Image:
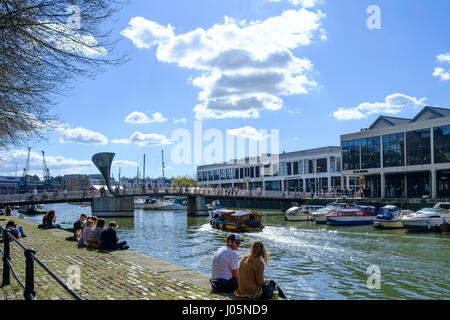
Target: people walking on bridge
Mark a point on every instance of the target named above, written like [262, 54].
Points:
[225, 266]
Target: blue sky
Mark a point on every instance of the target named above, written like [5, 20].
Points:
[312, 69]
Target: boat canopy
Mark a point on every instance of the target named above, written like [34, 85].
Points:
[388, 212]
[244, 213]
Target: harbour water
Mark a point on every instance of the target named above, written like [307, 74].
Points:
[308, 261]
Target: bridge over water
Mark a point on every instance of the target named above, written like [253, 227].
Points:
[197, 197]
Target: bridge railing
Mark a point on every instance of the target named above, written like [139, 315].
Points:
[183, 191]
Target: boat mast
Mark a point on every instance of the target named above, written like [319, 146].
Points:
[163, 166]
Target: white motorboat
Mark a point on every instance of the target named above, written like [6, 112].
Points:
[172, 204]
[151, 204]
[427, 219]
[139, 203]
[389, 217]
[302, 213]
[320, 216]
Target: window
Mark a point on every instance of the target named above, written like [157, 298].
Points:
[350, 154]
[312, 167]
[289, 168]
[418, 147]
[370, 153]
[322, 165]
[216, 175]
[300, 166]
[236, 174]
[205, 176]
[332, 164]
[257, 172]
[223, 174]
[306, 162]
[211, 175]
[200, 176]
[229, 174]
[252, 172]
[295, 167]
[393, 150]
[441, 144]
[283, 169]
[241, 173]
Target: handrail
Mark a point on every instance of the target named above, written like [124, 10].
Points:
[30, 257]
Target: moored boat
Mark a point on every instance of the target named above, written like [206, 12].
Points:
[236, 221]
[427, 219]
[139, 203]
[31, 210]
[320, 216]
[171, 204]
[302, 213]
[389, 217]
[351, 217]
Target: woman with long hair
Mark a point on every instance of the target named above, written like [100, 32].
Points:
[251, 282]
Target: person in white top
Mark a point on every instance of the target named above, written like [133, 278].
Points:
[225, 266]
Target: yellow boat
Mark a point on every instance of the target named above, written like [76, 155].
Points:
[236, 221]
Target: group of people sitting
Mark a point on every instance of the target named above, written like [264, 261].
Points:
[91, 233]
[245, 278]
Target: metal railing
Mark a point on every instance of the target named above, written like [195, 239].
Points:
[183, 191]
[30, 257]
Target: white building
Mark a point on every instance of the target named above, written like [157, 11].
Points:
[399, 158]
[307, 171]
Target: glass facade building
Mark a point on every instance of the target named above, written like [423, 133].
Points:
[398, 157]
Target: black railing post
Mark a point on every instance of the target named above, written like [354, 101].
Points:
[6, 270]
[29, 292]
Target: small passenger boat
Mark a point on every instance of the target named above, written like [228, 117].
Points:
[351, 217]
[31, 210]
[236, 221]
[320, 216]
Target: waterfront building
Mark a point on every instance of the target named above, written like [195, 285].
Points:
[75, 182]
[9, 185]
[305, 171]
[399, 157]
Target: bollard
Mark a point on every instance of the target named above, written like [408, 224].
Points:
[6, 270]
[29, 292]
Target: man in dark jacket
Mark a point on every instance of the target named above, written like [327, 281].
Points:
[109, 239]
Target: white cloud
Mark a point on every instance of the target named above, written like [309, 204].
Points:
[247, 133]
[303, 3]
[143, 140]
[141, 118]
[83, 136]
[393, 104]
[58, 165]
[444, 57]
[440, 72]
[246, 66]
[182, 120]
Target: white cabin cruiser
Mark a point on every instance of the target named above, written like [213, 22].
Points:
[139, 203]
[427, 219]
[172, 204]
[320, 216]
[302, 213]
